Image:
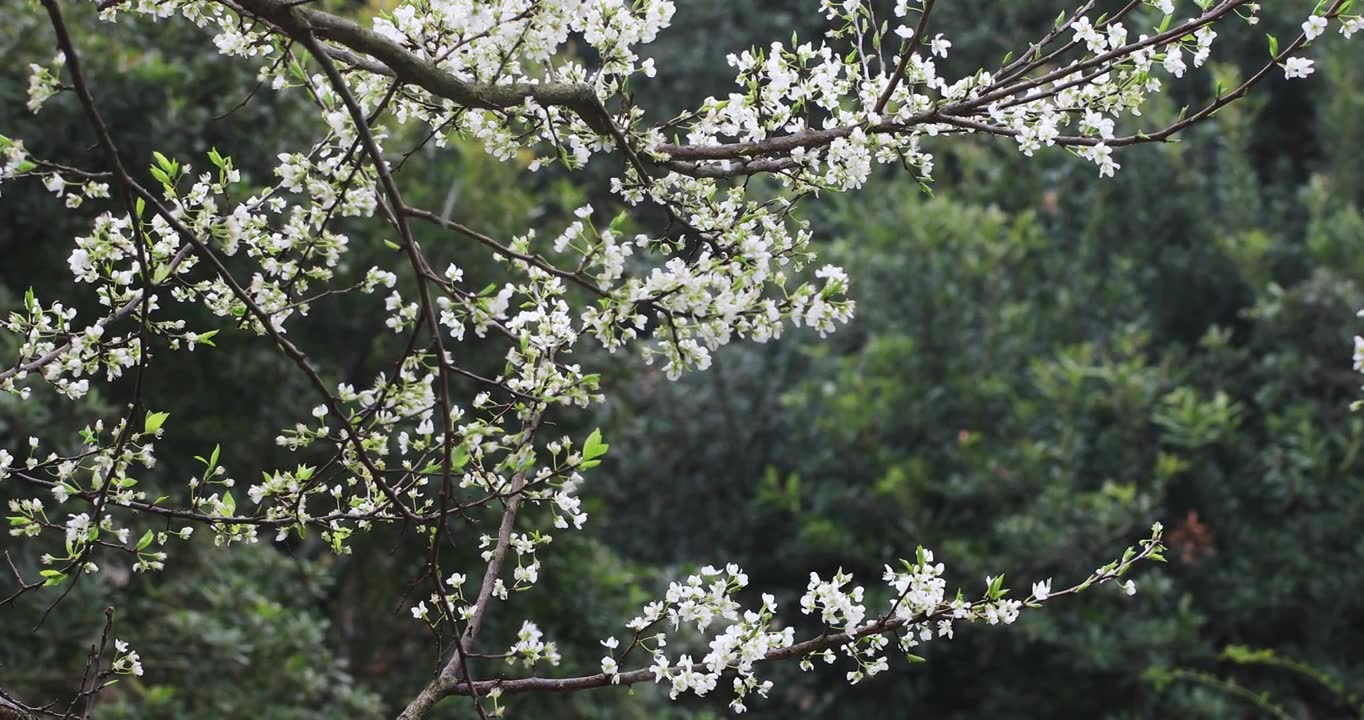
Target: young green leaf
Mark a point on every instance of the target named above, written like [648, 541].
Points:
[54, 577]
[154, 421]
[593, 447]
[229, 504]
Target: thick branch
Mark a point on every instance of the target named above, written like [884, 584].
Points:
[298, 22]
[440, 687]
[376, 53]
[10, 710]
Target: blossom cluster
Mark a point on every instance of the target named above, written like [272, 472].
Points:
[916, 610]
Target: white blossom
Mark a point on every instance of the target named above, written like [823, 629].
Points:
[1297, 67]
[1313, 27]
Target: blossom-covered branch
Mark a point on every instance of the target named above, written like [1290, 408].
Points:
[443, 450]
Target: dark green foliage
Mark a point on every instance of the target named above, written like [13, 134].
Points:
[1041, 365]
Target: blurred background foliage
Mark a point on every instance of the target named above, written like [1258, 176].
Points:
[1042, 365]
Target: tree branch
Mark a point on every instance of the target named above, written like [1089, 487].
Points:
[299, 22]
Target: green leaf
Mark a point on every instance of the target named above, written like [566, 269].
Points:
[593, 447]
[1273, 45]
[914, 658]
[154, 422]
[54, 577]
[140, 206]
[145, 541]
[207, 338]
[29, 299]
[996, 589]
[229, 504]
[163, 162]
[392, 245]
[213, 457]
